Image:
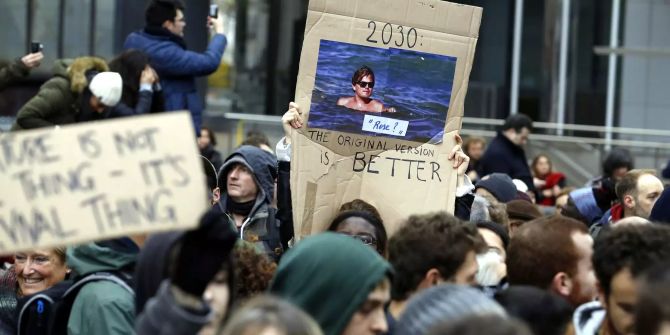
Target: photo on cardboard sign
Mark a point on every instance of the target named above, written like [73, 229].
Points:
[394, 93]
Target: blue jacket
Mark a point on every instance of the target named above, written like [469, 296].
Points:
[178, 68]
[505, 157]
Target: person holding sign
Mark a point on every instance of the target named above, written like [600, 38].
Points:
[362, 83]
[19, 68]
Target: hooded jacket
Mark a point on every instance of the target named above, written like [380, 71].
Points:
[102, 307]
[178, 67]
[59, 100]
[261, 226]
[588, 318]
[11, 72]
[329, 276]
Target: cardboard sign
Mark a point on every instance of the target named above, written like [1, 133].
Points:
[99, 180]
[382, 85]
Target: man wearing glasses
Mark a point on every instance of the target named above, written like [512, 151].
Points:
[362, 83]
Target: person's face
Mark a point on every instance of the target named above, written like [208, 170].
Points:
[364, 92]
[217, 296]
[493, 241]
[542, 166]
[476, 150]
[467, 273]
[38, 270]
[96, 105]
[177, 25]
[620, 304]
[241, 186]
[649, 189]
[584, 281]
[204, 140]
[360, 229]
[370, 317]
[521, 137]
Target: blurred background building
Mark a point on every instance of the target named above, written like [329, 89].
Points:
[595, 73]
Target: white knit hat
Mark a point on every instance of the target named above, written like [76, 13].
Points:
[107, 87]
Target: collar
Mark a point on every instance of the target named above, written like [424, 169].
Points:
[160, 31]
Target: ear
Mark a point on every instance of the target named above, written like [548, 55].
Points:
[166, 24]
[430, 279]
[628, 201]
[216, 195]
[561, 284]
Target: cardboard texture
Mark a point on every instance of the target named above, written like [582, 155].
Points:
[398, 176]
[99, 180]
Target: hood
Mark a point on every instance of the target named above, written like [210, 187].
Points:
[588, 318]
[661, 210]
[152, 266]
[263, 165]
[92, 257]
[75, 70]
[329, 276]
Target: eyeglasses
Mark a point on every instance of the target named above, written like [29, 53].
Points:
[366, 84]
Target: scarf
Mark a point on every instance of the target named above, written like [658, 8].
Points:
[239, 208]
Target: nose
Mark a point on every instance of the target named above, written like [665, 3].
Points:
[379, 325]
[28, 268]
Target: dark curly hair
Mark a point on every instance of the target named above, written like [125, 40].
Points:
[253, 271]
[636, 247]
[437, 240]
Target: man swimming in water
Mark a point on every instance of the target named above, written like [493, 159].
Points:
[362, 82]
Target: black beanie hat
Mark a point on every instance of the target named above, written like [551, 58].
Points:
[497, 228]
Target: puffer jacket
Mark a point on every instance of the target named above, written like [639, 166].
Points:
[12, 71]
[58, 101]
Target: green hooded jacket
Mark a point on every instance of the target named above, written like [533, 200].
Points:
[329, 276]
[101, 307]
[11, 72]
[58, 100]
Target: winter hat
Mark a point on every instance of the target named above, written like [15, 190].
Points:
[586, 204]
[520, 185]
[497, 228]
[442, 303]
[107, 86]
[661, 211]
[500, 185]
[522, 210]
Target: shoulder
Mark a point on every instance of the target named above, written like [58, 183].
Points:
[104, 293]
[343, 101]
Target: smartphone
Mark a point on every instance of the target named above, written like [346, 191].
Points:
[36, 47]
[214, 11]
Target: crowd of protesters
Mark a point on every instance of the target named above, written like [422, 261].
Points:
[523, 253]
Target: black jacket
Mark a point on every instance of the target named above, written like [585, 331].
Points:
[506, 157]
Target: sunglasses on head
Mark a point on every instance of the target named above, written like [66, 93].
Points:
[365, 84]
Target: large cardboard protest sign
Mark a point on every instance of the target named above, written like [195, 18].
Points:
[97, 180]
[382, 85]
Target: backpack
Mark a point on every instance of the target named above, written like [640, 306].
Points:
[48, 312]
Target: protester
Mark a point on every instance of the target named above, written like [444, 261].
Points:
[481, 324]
[546, 313]
[615, 165]
[207, 146]
[652, 311]
[553, 253]
[197, 258]
[363, 227]
[492, 268]
[444, 303]
[520, 212]
[258, 139]
[548, 183]
[142, 93]
[474, 147]
[163, 40]
[253, 271]
[103, 307]
[505, 153]
[661, 210]
[621, 255]
[362, 206]
[339, 281]
[637, 191]
[497, 185]
[247, 180]
[19, 68]
[268, 315]
[418, 255]
[81, 90]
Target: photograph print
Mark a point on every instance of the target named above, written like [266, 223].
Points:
[372, 91]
